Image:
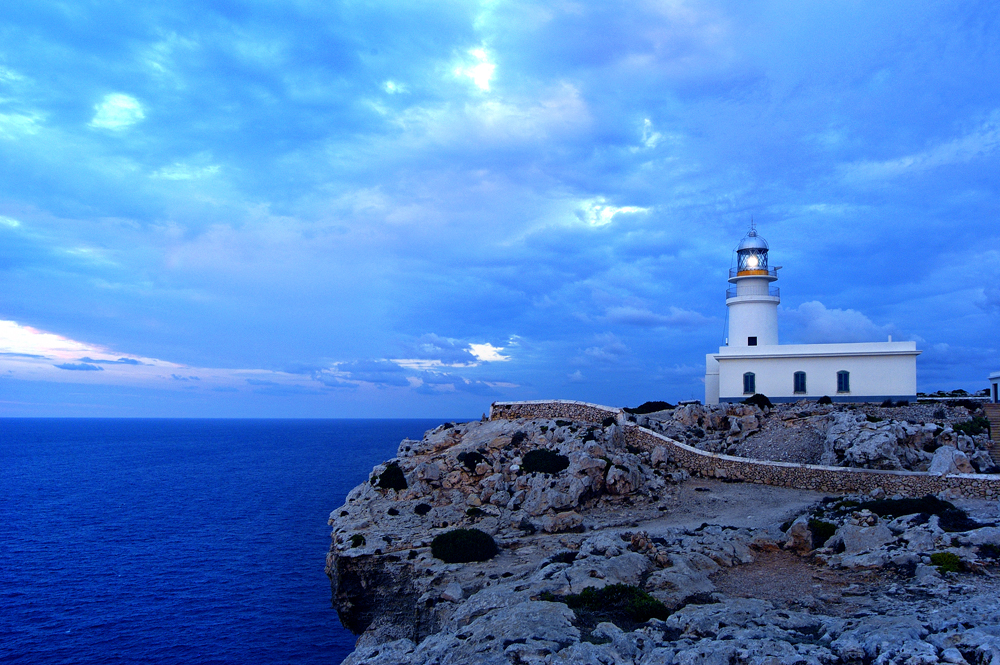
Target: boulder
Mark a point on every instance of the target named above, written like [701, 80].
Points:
[949, 460]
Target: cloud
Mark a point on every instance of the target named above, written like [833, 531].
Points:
[178, 377]
[639, 316]
[990, 300]
[117, 111]
[596, 211]
[20, 339]
[119, 361]
[80, 367]
[813, 323]
[608, 349]
[378, 372]
[972, 146]
[480, 70]
[179, 171]
[261, 382]
[439, 350]
[487, 352]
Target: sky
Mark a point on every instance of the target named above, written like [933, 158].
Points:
[414, 209]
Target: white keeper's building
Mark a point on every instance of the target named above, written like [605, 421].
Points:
[753, 362]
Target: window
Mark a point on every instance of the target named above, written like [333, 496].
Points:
[800, 382]
[843, 382]
[749, 384]
[751, 341]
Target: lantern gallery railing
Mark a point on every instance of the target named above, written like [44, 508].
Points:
[734, 272]
[753, 290]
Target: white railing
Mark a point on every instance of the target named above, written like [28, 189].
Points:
[753, 290]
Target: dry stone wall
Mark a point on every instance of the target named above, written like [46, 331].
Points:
[833, 479]
[560, 408]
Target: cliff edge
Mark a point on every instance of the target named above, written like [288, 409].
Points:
[609, 553]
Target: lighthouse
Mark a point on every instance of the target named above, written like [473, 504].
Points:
[752, 362]
[752, 299]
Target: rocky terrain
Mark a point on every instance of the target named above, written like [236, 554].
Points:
[864, 436]
[616, 556]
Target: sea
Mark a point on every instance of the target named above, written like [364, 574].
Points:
[175, 540]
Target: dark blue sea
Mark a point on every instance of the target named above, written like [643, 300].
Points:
[176, 541]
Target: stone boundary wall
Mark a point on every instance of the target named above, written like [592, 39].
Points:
[552, 409]
[832, 479]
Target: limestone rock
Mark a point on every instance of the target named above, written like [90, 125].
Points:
[948, 459]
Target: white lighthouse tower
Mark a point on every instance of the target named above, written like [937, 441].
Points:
[752, 300]
[752, 362]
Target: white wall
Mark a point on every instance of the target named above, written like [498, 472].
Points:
[886, 369]
[711, 379]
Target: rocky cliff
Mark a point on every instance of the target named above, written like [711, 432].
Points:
[608, 553]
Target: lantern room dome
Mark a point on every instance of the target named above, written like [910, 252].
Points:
[752, 241]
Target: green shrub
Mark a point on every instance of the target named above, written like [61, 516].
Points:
[947, 562]
[821, 532]
[929, 504]
[422, 509]
[649, 407]
[977, 425]
[471, 460]
[759, 400]
[623, 605]
[464, 546]
[517, 438]
[563, 423]
[989, 551]
[950, 518]
[392, 478]
[825, 399]
[873, 419]
[474, 512]
[543, 461]
[608, 422]
[357, 540]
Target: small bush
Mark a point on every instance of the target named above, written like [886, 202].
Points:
[392, 478]
[825, 399]
[821, 532]
[873, 419]
[950, 518]
[563, 423]
[464, 546]
[969, 404]
[759, 400]
[608, 422]
[422, 509]
[887, 404]
[543, 461]
[471, 460]
[357, 540]
[623, 605]
[392, 512]
[929, 504]
[947, 562]
[649, 407]
[566, 556]
[989, 551]
[517, 438]
[903, 402]
[978, 425]
[474, 512]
